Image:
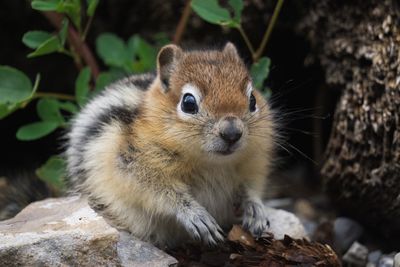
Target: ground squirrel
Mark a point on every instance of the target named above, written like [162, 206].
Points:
[165, 153]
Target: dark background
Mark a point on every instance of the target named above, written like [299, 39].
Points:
[304, 105]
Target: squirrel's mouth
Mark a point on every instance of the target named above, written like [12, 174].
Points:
[225, 152]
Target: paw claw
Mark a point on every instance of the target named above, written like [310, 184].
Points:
[254, 219]
[202, 226]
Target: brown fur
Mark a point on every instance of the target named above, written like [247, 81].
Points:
[155, 177]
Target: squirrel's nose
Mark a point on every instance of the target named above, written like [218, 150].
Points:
[231, 134]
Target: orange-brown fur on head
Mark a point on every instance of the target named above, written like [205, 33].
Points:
[223, 83]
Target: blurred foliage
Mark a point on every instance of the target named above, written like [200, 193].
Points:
[212, 12]
[259, 72]
[136, 55]
[53, 172]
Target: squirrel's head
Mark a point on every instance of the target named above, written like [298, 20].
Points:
[206, 103]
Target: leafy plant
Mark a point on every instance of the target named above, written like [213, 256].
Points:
[54, 109]
[15, 89]
[46, 43]
[72, 19]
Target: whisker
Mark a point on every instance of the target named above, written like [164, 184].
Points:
[301, 153]
[301, 131]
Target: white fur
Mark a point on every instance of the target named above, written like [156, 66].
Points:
[249, 91]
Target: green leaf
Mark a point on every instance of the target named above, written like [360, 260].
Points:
[161, 39]
[92, 5]
[145, 54]
[36, 130]
[237, 6]
[53, 172]
[68, 106]
[211, 11]
[18, 96]
[63, 32]
[82, 86]
[7, 109]
[51, 45]
[48, 110]
[42, 5]
[15, 86]
[259, 71]
[106, 78]
[33, 39]
[112, 50]
[72, 8]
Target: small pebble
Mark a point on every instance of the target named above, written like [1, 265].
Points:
[324, 233]
[397, 260]
[374, 256]
[356, 255]
[309, 226]
[304, 209]
[386, 261]
[346, 232]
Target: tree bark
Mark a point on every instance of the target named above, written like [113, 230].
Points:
[357, 44]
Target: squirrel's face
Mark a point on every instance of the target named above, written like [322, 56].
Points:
[210, 98]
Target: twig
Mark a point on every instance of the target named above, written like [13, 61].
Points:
[87, 27]
[54, 95]
[180, 29]
[75, 40]
[77, 59]
[246, 40]
[268, 32]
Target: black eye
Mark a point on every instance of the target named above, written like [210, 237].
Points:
[189, 104]
[252, 105]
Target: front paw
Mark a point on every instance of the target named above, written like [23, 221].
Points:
[201, 226]
[254, 218]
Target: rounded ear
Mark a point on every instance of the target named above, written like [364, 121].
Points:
[167, 59]
[230, 50]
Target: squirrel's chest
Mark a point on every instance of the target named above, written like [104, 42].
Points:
[216, 189]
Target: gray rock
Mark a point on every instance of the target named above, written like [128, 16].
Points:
[356, 255]
[346, 232]
[284, 223]
[386, 261]
[397, 260]
[134, 252]
[309, 226]
[374, 256]
[66, 231]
